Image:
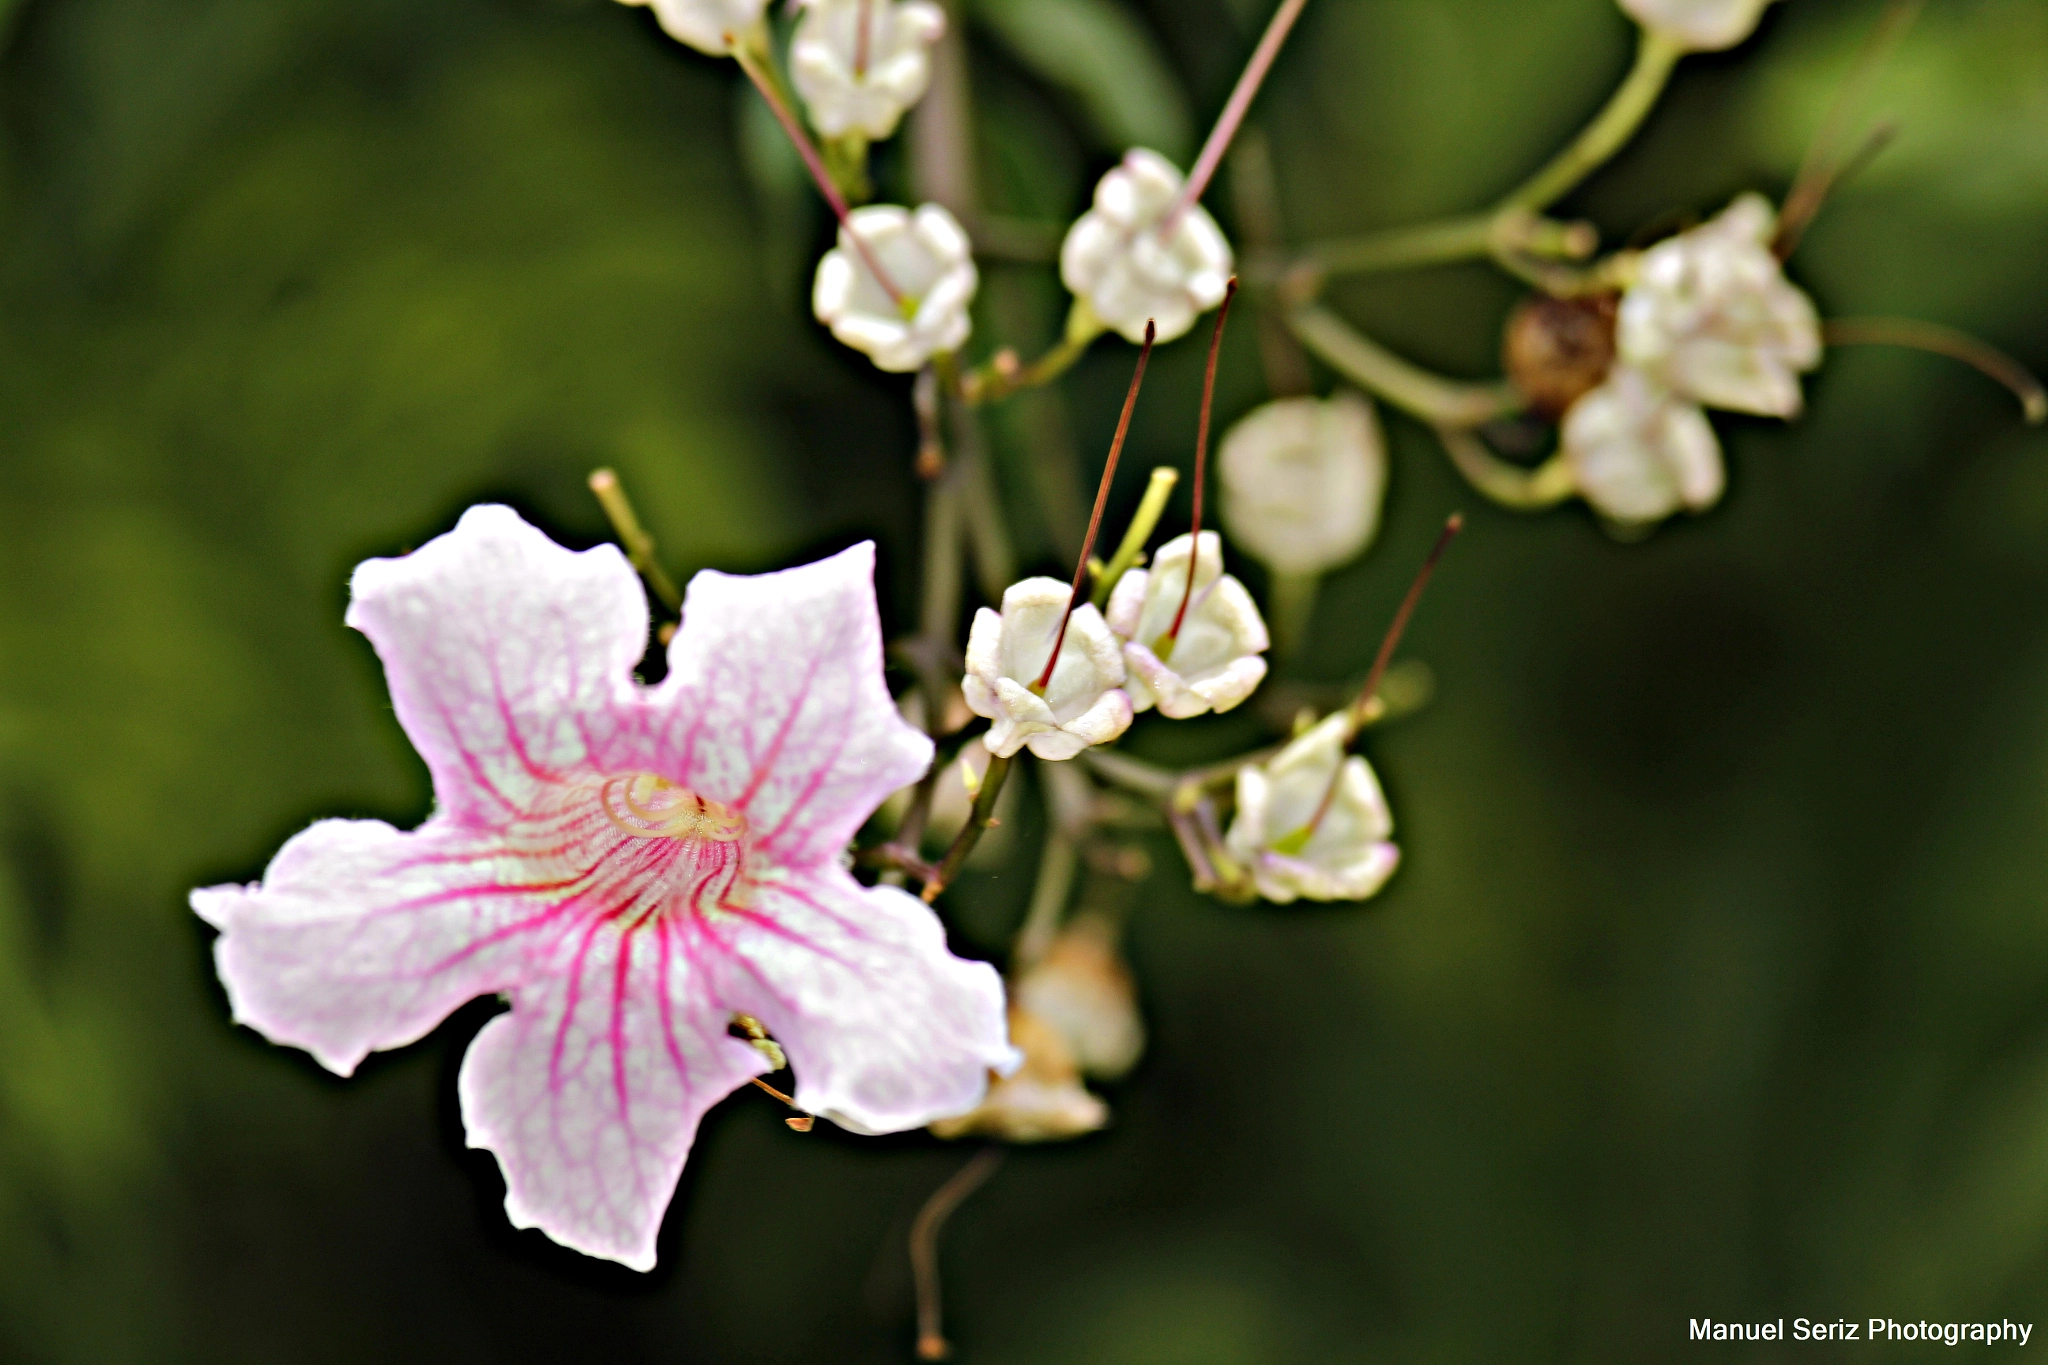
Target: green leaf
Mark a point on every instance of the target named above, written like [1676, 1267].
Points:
[1102, 57]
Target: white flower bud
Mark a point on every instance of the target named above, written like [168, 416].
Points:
[1344, 857]
[1115, 260]
[825, 56]
[705, 24]
[927, 257]
[1701, 25]
[1637, 452]
[1214, 663]
[1084, 703]
[1083, 989]
[1303, 480]
[1711, 316]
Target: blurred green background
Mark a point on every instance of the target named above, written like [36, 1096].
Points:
[1716, 978]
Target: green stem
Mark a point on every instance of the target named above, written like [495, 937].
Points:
[978, 821]
[1617, 121]
[1293, 604]
[639, 546]
[1525, 490]
[1434, 399]
[1048, 901]
[1452, 239]
[846, 157]
[989, 384]
[1142, 525]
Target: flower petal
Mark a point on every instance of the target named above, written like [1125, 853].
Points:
[505, 654]
[775, 704]
[886, 1029]
[591, 1089]
[360, 937]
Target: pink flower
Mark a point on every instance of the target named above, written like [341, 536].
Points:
[630, 865]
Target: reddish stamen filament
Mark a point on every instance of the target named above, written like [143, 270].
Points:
[816, 165]
[1202, 457]
[861, 39]
[1116, 448]
[1360, 707]
[1233, 112]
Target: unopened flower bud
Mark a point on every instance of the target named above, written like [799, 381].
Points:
[1116, 261]
[927, 257]
[1042, 1101]
[1303, 479]
[1301, 840]
[707, 25]
[1213, 663]
[1557, 350]
[1084, 702]
[855, 85]
[1701, 25]
[1638, 453]
[1083, 989]
[1711, 316]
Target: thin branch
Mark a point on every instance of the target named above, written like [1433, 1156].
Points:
[1940, 340]
[1434, 399]
[979, 820]
[924, 1247]
[639, 546]
[1617, 121]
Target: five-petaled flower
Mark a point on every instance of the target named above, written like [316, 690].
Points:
[862, 83]
[926, 256]
[1298, 837]
[1638, 453]
[1711, 316]
[1083, 703]
[632, 866]
[1213, 663]
[1131, 266]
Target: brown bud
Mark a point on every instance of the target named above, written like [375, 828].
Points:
[1556, 350]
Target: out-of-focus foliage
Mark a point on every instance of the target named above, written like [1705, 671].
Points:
[1712, 982]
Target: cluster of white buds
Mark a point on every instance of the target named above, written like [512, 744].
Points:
[1698, 25]
[1708, 320]
[1312, 823]
[1140, 254]
[711, 26]
[1080, 704]
[929, 266]
[1303, 481]
[860, 64]
[1188, 650]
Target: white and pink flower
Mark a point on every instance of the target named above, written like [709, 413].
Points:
[631, 866]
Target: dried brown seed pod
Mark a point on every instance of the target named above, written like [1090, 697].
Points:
[1557, 349]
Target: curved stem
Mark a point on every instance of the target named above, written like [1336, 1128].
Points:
[1617, 121]
[991, 383]
[1525, 490]
[1434, 399]
[924, 1247]
[1940, 340]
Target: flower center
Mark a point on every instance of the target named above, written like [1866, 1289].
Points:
[646, 806]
